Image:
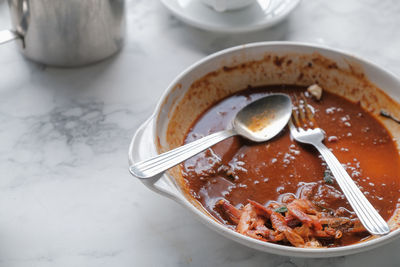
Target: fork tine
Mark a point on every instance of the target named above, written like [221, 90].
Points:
[309, 113]
[302, 114]
[295, 117]
[299, 114]
[292, 125]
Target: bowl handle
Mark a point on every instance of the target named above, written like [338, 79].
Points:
[141, 147]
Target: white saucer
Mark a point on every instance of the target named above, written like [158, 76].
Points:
[262, 14]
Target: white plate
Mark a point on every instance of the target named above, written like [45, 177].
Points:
[262, 14]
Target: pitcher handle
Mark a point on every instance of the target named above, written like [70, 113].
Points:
[8, 35]
[20, 17]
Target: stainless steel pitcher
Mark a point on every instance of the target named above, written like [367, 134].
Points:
[66, 33]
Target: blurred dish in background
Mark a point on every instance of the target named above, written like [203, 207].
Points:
[258, 15]
[226, 5]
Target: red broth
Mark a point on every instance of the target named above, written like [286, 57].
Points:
[237, 169]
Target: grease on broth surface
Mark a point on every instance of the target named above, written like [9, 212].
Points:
[237, 170]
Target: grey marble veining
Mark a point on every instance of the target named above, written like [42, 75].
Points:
[66, 198]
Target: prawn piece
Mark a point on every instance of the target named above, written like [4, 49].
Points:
[291, 220]
[357, 227]
[321, 234]
[344, 224]
[247, 219]
[261, 210]
[269, 234]
[274, 205]
[334, 222]
[298, 208]
[300, 215]
[294, 238]
[303, 231]
[328, 232]
[256, 234]
[261, 232]
[313, 244]
[231, 211]
[306, 206]
[279, 224]
[260, 222]
[278, 237]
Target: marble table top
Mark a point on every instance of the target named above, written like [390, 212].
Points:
[66, 197]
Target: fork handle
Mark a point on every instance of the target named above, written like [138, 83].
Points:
[158, 164]
[367, 214]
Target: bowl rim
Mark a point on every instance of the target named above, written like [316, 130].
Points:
[251, 242]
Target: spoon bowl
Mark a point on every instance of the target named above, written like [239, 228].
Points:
[259, 121]
[264, 118]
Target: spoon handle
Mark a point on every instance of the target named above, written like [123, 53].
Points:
[153, 166]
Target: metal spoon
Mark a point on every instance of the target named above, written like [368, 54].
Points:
[259, 121]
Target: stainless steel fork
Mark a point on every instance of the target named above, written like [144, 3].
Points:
[303, 129]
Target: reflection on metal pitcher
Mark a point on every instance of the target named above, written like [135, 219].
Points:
[66, 33]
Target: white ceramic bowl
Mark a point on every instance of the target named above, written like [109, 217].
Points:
[233, 69]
